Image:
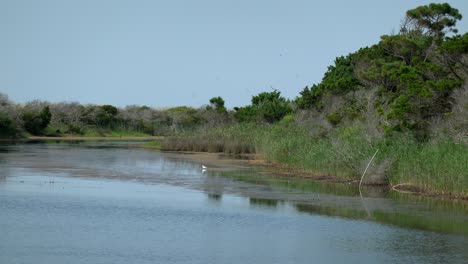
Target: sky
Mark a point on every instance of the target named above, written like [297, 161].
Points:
[172, 53]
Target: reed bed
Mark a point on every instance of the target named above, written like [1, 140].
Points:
[439, 166]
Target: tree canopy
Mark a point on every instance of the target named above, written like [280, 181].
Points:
[267, 107]
[432, 20]
[217, 103]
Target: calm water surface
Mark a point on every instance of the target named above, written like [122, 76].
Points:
[105, 202]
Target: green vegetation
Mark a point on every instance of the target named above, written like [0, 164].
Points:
[7, 126]
[409, 77]
[156, 144]
[267, 107]
[450, 221]
[72, 119]
[232, 139]
[405, 219]
[436, 166]
[36, 122]
[406, 95]
[217, 104]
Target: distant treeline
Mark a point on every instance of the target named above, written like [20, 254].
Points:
[71, 118]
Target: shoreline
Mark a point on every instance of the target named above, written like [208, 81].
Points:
[257, 160]
[400, 187]
[277, 168]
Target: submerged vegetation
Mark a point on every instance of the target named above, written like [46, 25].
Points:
[407, 96]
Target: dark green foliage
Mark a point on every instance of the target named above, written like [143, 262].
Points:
[144, 127]
[109, 110]
[46, 116]
[32, 123]
[411, 47]
[7, 126]
[334, 118]
[457, 44]
[432, 20]
[310, 97]
[268, 107]
[35, 123]
[74, 129]
[415, 73]
[183, 117]
[271, 106]
[106, 116]
[339, 79]
[217, 103]
[245, 114]
[453, 54]
[414, 84]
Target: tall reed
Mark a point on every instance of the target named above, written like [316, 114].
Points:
[437, 166]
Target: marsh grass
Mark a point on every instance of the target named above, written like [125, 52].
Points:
[238, 139]
[438, 166]
[342, 154]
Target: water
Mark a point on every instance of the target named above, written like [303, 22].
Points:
[104, 202]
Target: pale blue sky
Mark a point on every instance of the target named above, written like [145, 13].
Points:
[168, 53]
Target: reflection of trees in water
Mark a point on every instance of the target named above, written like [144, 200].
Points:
[331, 211]
[215, 196]
[4, 152]
[411, 219]
[407, 245]
[263, 202]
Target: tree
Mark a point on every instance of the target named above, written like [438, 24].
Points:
[217, 103]
[417, 70]
[271, 106]
[36, 122]
[7, 126]
[107, 115]
[267, 106]
[245, 114]
[432, 20]
[340, 78]
[453, 54]
[67, 116]
[309, 97]
[183, 117]
[45, 116]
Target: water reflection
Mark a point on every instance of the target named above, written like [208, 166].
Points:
[215, 196]
[95, 209]
[119, 161]
[263, 202]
